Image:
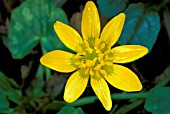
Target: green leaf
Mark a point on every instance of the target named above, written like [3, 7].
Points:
[110, 8]
[158, 101]
[31, 23]
[10, 87]
[70, 110]
[141, 26]
[4, 102]
[7, 111]
[54, 106]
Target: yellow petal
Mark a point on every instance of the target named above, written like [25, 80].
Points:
[90, 25]
[75, 86]
[123, 79]
[58, 60]
[102, 91]
[68, 35]
[113, 29]
[128, 53]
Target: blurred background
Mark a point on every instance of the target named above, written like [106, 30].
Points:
[26, 33]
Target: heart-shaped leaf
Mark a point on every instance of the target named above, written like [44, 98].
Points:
[158, 101]
[32, 23]
[141, 26]
[110, 8]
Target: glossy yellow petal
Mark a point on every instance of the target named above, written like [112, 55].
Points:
[113, 29]
[128, 53]
[90, 24]
[68, 35]
[102, 91]
[123, 79]
[58, 60]
[75, 86]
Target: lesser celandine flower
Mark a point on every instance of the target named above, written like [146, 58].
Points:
[94, 58]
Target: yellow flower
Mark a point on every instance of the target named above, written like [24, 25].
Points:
[94, 57]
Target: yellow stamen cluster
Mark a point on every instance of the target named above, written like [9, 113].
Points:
[93, 57]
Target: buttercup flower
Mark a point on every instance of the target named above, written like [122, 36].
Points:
[95, 59]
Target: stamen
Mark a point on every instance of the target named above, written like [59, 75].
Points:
[100, 57]
[98, 67]
[88, 63]
[79, 48]
[94, 61]
[102, 46]
[107, 52]
[87, 70]
[91, 72]
[89, 50]
[108, 63]
[82, 65]
[98, 51]
[102, 63]
[97, 41]
[86, 44]
[97, 74]
[106, 57]
[102, 71]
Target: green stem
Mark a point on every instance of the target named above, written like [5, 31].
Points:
[129, 95]
[84, 101]
[131, 106]
[162, 5]
[92, 99]
[47, 70]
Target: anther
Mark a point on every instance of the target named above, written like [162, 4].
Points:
[82, 65]
[102, 71]
[102, 46]
[107, 52]
[97, 41]
[79, 48]
[86, 44]
[106, 57]
[94, 61]
[86, 71]
[102, 63]
[89, 50]
[100, 57]
[108, 63]
[98, 51]
[88, 63]
[98, 67]
[97, 74]
[91, 72]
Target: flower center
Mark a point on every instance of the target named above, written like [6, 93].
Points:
[93, 56]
